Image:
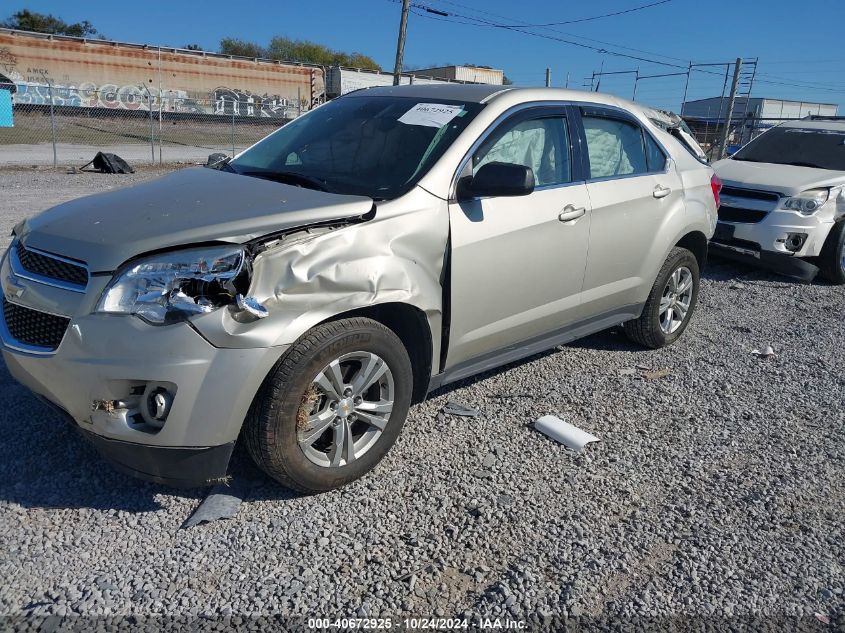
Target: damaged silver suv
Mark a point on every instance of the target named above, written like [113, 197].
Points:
[304, 294]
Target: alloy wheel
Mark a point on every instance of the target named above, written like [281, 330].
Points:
[345, 409]
[676, 299]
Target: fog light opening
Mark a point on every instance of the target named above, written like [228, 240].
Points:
[795, 241]
[158, 403]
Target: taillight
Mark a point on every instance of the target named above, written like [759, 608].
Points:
[716, 186]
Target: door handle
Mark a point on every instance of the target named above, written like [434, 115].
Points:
[570, 213]
[661, 192]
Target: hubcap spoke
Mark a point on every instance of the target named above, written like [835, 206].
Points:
[686, 284]
[383, 406]
[372, 420]
[674, 280]
[371, 370]
[331, 381]
[317, 425]
[343, 448]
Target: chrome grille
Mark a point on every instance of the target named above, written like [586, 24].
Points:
[32, 327]
[51, 266]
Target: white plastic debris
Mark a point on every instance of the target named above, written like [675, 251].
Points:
[766, 352]
[563, 432]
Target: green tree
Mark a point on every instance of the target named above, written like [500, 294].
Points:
[193, 47]
[26, 20]
[288, 49]
[234, 46]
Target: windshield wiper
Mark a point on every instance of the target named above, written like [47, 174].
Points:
[290, 177]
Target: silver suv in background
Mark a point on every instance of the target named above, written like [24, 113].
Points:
[783, 201]
[302, 295]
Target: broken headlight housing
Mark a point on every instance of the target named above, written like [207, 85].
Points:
[170, 287]
[807, 202]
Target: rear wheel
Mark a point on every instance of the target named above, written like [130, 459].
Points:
[832, 258]
[332, 407]
[670, 303]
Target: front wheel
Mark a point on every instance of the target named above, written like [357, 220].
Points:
[670, 303]
[832, 258]
[332, 407]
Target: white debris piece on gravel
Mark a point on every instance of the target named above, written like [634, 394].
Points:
[564, 432]
[767, 352]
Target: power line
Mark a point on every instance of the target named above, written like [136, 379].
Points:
[558, 31]
[596, 17]
[475, 21]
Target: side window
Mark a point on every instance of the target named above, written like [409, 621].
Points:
[541, 144]
[615, 147]
[654, 155]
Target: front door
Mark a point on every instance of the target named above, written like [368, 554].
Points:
[517, 263]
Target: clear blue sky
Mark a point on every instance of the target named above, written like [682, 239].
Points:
[801, 45]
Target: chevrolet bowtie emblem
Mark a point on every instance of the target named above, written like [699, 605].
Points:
[12, 287]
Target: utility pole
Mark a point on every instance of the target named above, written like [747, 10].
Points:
[726, 130]
[686, 87]
[400, 45]
[548, 77]
[567, 80]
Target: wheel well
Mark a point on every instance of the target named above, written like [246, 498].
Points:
[696, 242]
[411, 326]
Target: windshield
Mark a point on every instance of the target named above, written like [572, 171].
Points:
[824, 149]
[372, 146]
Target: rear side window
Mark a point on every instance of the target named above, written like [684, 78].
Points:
[615, 147]
[541, 144]
[654, 155]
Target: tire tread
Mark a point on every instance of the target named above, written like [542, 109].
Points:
[646, 330]
[259, 433]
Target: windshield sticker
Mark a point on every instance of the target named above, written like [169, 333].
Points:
[431, 114]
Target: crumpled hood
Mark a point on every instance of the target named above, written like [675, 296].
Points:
[185, 207]
[789, 180]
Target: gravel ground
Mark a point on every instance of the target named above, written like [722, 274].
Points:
[716, 491]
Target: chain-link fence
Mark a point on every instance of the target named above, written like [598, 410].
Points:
[708, 133]
[59, 126]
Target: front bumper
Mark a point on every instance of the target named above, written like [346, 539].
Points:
[110, 359]
[773, 231]
[750, 253]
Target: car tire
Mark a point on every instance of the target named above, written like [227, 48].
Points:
[831, 260]
[305, 392]
[659, 325]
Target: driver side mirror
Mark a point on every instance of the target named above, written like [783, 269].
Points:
[497, 179]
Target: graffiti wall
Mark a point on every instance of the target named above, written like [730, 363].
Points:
[98, 74]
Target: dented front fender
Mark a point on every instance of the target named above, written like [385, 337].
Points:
[310, 276]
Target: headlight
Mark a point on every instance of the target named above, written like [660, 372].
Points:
[807, 202]
[172, 286]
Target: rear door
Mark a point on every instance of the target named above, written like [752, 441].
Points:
[517, 263]
[633, 187]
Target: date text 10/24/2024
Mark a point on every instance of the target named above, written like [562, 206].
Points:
[415, 624]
